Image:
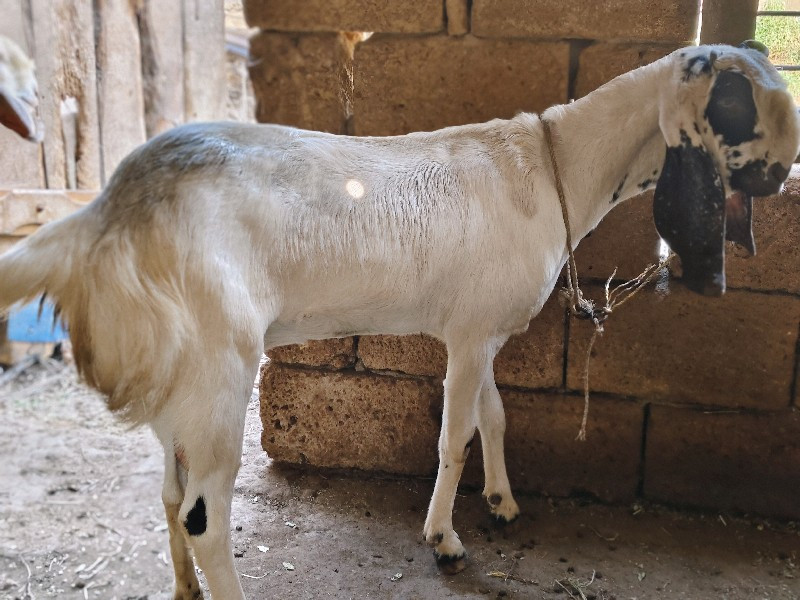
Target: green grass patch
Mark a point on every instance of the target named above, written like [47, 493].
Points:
[782, 36]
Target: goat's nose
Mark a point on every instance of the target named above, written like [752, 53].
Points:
[778, 173]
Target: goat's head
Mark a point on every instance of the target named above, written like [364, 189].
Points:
[732, 132]
[18, 99]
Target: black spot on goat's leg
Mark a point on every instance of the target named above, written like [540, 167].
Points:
[494, 499]
[196, 520]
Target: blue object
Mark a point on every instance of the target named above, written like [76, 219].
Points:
[24, 324]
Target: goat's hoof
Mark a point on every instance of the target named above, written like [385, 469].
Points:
[450, 564]
[188, 595]
[503, 508]
[502, 520]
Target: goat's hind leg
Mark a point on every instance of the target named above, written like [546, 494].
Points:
[212, 443]
[186, 585]
[203, 422]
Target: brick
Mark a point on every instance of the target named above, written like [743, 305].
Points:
[612, 20]
[600, 63]
[391, 424]
[776, 227]
[302, 80]
[428, 82]
[543, 456]
[729, 461]
[336, 353]
[411, 354]
[350, 420]
[532, 359]
[535, 359]
[457, 12]
[733, 351]
[119, 82]
[397, 16]
[626, 239]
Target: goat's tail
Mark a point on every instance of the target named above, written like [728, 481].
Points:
[45, 261]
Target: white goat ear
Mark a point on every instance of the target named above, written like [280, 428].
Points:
[15, 115]
[689, 213]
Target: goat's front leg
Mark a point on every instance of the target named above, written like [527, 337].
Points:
[492, 426]
[466, 371]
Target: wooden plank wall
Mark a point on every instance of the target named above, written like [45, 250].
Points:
[111, 73]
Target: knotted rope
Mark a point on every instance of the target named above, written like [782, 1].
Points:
[581, 307]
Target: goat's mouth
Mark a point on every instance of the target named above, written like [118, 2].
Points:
[758, 179]
[739, 220]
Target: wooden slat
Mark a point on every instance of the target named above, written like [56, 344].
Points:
[20, 161]
[161, 34]
[23, 211]
[65, 60]
[204, 59]
[119, 83]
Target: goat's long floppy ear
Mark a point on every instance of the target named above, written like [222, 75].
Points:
[15, 116]
[689, 213]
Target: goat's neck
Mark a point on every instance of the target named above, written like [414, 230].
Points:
[608, 145]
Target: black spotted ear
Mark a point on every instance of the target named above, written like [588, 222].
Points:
[689, 213]
[755, 45]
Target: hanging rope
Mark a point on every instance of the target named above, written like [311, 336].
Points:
[584, 308]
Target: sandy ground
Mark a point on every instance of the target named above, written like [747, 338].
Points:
[80, 517]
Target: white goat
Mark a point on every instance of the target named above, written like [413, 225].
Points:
[212, 234]
[18, 100]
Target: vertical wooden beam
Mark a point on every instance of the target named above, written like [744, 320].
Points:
[204, 59]
[119, 75]
[21, 160]
[161, 33]
[728, 21]
[64, 53]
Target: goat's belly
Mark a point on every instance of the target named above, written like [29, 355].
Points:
[322, 325]
[329, 311]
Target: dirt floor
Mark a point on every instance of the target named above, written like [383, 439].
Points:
[80, 517]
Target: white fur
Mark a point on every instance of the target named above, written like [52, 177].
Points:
[211, 234]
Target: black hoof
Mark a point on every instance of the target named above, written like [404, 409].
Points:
[450, 564]
[501, 521]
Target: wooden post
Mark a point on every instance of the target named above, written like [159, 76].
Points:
[119, 85]
[728, 21]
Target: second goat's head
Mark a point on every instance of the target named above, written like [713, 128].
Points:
[732, 132]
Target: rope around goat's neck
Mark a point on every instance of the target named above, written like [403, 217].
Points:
[582, 307]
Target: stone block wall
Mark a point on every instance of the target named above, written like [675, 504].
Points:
[693, 399]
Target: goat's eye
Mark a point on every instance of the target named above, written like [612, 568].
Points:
[728, 103]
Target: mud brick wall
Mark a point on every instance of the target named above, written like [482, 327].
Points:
[693, 398]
